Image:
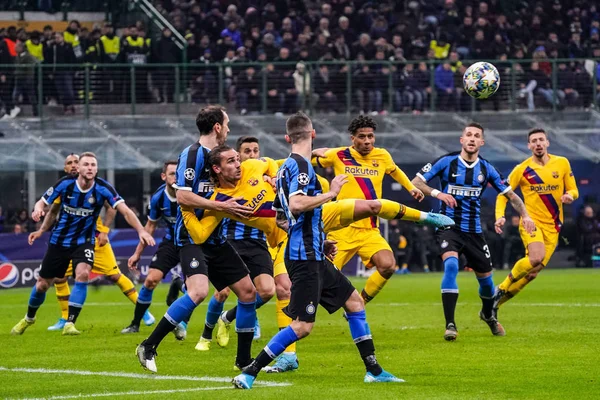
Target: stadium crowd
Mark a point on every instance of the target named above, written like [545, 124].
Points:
[267, 34]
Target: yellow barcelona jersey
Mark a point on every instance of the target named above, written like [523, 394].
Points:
[99, 225]
[256, 193]
[542, 188]
[365, 175]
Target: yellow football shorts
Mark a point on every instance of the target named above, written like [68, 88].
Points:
[351, 241]
[277, 254]
[105, 262]
[549, 237]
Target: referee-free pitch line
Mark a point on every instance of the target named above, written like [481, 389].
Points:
[129, 393]
[136, 376]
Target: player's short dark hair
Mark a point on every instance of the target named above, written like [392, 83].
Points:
[87, 154]
[534, 131]
[166, 164]
[475, 125]
[298, 127]
[245, 139]
[362, 121]
[214, 158]
[207, 118]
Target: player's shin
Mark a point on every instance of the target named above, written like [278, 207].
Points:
[519, 270]
[486, 293]
[62, 295]
[515, 288]
[272, 350]
[215, 308]
[36, 298]
[128, 288]
[244, 326]
[141, 305]
[179, 311]
[393, 210]
[229, 316]
[283, 321]
[76, 300]
[373, 286]
[361, 334]
[450, 288]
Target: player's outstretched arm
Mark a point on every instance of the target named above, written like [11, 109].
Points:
[132, 263]
[301, 203]
[39, 210]
[49, 220]
[519, 207]
[231, 206]
[449, 200]
[134, 222]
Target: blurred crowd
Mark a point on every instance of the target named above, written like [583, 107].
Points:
[276, 40]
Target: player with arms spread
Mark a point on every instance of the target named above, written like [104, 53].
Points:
[366, 166]
[314, 279]
[464, 176]
[547, 182]
[73, 237]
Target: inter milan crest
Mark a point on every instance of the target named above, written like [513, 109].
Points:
[480, 178]
[303, 179]
[194, 264]
[91, 200]
[189, 174]
[555, 174]
[444, 244]
[310, 309]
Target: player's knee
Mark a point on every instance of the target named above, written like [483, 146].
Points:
[222, 295]
[153, 279]
[60, 280]
[197, 294]
[245, 290]
[355, 303]
[302, 329]
[114, 278]
[82, 275]
[42, 285]
[283, 287]
[537, 258]
[387, 267]
[266, 291]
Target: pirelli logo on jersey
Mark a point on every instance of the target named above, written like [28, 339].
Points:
[464, 191]
[360, 171]
[79, 212]
[205, 187]
[255, 202]
[170, 220]
[541, 188]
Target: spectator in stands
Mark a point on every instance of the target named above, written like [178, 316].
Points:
[363, 46]
[303, 87]
[7, 81]
[324, 84]
[165, 51]
[61, 53]
[25, 70]
[480, 47]
[499, 47]
[440, 47]
[444, 86]
[275, 97]
[269, 47]
[233, 32]
[320, 49]
[247, 91]
[537, 82]
[566, 83]
[345, 30]
[22, 219]
[135, 52]
[576, 49]
[588, 228]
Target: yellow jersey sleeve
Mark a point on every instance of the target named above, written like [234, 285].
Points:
[324, 183]
[513, 182]
[395, 172]
[271, 166]
[570, 183]
[326, 161]
[280, 162]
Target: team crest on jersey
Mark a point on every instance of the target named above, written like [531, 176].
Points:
[427, 167]
[310, 309]
[555, 174]
[91, 200]
[253, 181]
[375, 163]
[49, 191]
[194, 264]
[303, 179]
[189, 174]
[480, 178]
[444, 244]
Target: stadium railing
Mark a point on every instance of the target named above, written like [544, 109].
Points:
[316, 87]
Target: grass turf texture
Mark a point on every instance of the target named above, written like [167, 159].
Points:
[550, 351]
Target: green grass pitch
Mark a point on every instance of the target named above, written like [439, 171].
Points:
[551, 350]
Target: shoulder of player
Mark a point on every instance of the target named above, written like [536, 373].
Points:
[65, 180]
[445, 158]
[298, 162]
[105, 185]
[159, 191]
[487, 164]
[379, 152]
[560, 159]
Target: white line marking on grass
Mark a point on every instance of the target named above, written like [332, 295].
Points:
[130, 393]
[137, 376]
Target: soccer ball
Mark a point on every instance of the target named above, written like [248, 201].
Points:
[481, 80]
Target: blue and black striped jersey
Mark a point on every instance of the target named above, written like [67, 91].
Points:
[192, 174]
[79, 210]
[305, 233]
[234, 230]
[466, 183]
[164, 206]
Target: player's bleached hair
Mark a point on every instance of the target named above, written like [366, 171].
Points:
[362, 121]
[298, 127]
[214, 158]
[475, 125]
[87, 154]
[245, 139]
[166, 164]
[534, 131]
[207, 118]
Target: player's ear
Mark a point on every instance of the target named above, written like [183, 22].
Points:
[313, 134]
[287, 139]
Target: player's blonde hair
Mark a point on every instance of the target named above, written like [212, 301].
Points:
[87, 154]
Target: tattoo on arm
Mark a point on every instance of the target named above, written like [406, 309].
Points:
[422, 186]
[517, 203]
[281, 221]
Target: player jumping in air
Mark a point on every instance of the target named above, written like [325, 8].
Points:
[464, 176]
[72, 240]
[547, 183]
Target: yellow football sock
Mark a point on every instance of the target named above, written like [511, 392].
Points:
[514, 289]
[393, 210]
[283, 321]
[521, 268]
[374, 284]
[62, 295]
[127, 287]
